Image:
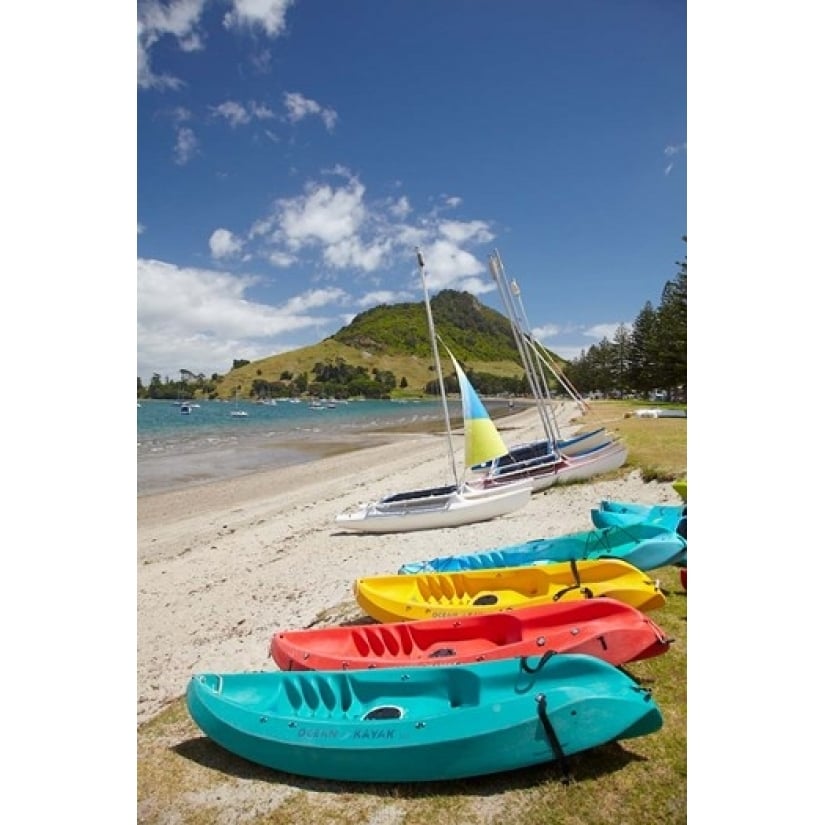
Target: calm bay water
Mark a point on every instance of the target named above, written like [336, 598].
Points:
[175, 450]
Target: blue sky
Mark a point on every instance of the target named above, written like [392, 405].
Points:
[292, 155]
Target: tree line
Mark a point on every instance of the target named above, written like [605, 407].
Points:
[650, 355]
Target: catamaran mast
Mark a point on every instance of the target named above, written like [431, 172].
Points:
[524, 326]
[544, 357]
[441, 386]
[543, 354]
[497, 271]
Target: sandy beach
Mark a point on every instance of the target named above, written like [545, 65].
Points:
[222, 566]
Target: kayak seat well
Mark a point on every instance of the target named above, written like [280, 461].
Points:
[426, 694]
[500, 629]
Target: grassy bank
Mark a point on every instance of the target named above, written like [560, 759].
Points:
[656, 446]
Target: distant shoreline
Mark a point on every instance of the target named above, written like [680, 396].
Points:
[259, 453]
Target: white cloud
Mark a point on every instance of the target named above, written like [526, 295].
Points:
[235, 114]
[313, 299]
[281, 259]
[599, 331]
[180, 114]
[185, 146]
[385, 296]
[298, 107]
[671, 151]
[400, 208]
[447, 265]
[546, 331]
[461, 231]
[180, 19]
[352, 252]
[323, 215]
[223, 244]
[268, 14]
[569, 353]
[260, 111]
[201, 319]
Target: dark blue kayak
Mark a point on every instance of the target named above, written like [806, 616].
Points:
[420, 724]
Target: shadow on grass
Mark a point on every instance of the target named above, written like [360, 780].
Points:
[592, 764]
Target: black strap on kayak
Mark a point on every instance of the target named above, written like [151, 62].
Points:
[541, 700]
[542, 662]
[588, 593]
[575, 569]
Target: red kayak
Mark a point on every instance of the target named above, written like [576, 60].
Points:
[605, 628]
[683, 577]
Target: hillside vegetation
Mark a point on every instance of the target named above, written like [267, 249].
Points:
[395, 338]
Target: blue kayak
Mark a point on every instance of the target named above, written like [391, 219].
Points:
[621, 513]
[422, 724]
[645, 546]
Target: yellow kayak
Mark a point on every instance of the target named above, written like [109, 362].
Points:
[406, 597]
[681, 488]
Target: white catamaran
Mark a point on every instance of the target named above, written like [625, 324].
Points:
[453, 504]
[553, 459]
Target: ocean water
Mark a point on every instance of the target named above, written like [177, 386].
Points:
[175, 450]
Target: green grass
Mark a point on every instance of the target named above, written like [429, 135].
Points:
[186, 779]
[656, 446]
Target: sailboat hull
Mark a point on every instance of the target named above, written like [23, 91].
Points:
[578, 444]
[558, 468]
[573, 446]
[441, 507]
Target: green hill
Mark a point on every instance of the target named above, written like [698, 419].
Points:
[395, 338]
[472, 331]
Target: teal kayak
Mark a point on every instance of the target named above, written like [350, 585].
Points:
[422, 724]
[645, 546]
[622, 513]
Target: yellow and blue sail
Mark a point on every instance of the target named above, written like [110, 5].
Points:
[482, 441]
